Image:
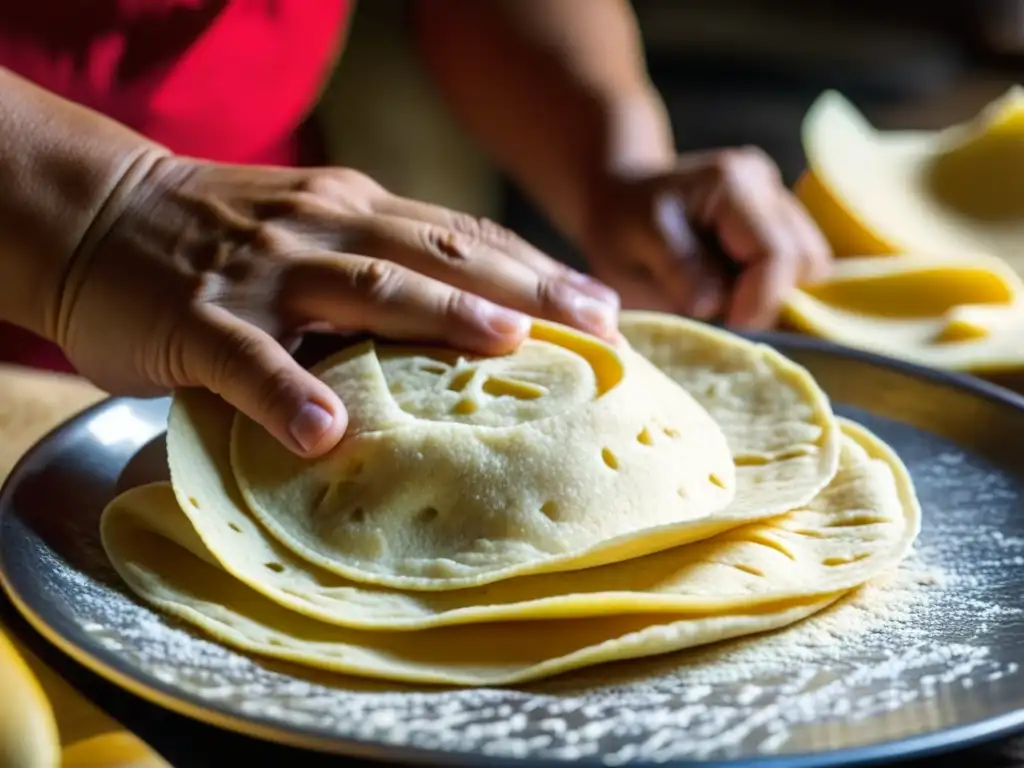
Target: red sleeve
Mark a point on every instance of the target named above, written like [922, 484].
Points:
[225, 80]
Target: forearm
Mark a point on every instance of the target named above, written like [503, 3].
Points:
[556, 90]
[59, 164]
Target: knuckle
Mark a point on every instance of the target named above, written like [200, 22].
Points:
[447, 244]
[498, 236]
[351, 179]
[228, 357]
[317, 184]
[549, 293]
[464, 224]
[744, 161]
[353, 191]
[376, 279]
[754, 154]
[727, 160]
[233, 360]
[482, 230]
[457, 304]
[265, 236]
[307, 205]
[275, 388]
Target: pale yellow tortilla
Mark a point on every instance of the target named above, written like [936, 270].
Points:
[959, 313]
[569, 454]
[861, 524]
[778, 422]
[958, 191]
[168, 565]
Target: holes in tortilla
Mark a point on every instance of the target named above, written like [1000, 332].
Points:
[235, 527]
[845, 560]
[771, 543]
[858, 520]
[550, 509]
[810, 533]
[748, 569]
[519, 389]
[438, 369]
[275, 567]
[763, 460]
[644, 438]
[427, 515]
[609, 458]
[321, 496]
[465, 407]
[716, 481]
[461, 379]
[357, 515]
[193, 501]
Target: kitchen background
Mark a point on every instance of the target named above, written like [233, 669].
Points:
[731, 71]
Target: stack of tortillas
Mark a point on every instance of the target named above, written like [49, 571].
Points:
[929, 228]
[493, 521]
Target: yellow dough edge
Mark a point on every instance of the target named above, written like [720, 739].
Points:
[154, 508]
[111, 750]
[28, 728]
[974, 306]
[490, 654]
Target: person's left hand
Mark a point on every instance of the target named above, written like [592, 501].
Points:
[656, 238]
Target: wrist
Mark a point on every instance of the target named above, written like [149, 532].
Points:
[637, 144]
[60, 166]
[638, 135]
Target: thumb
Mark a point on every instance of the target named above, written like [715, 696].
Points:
[254, 373]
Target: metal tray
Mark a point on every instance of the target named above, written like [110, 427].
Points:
[938, 671]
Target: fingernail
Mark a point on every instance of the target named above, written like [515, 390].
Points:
[506, 322]
[596, 316]
[704, 305]
[593, 287]
[309, 425]
[670, 216]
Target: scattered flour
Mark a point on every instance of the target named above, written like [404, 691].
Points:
[884, 663]
[868, 656]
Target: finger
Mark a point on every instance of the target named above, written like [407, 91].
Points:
[254, 373]
[496, 238]
[756, 231]
[354, 293]
[681, 263]
[816, 252]
[760, 290]
[475, 266]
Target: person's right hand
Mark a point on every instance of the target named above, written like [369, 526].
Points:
[202, 274]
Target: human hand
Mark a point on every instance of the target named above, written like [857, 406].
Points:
[652, 237]
[203, 274]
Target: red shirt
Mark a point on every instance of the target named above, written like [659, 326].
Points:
[224, 80]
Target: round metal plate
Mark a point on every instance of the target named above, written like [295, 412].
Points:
[934, 672]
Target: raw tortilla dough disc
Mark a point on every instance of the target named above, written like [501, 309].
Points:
[778, 422]
[959, 191]
[565, 454]
[160, 556]
[774, 415]
[860, 524]
[959, 313]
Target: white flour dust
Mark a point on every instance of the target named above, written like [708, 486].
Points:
[888, 661]
[869, 655]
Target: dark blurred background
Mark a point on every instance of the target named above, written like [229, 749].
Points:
[731, 71]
